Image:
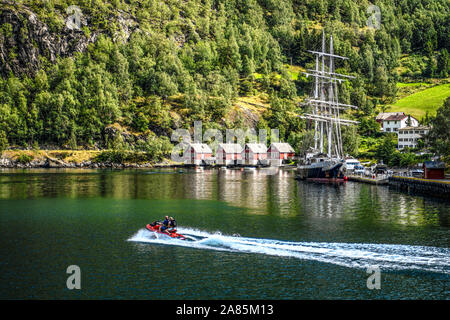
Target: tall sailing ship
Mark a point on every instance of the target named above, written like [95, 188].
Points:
[326, 159]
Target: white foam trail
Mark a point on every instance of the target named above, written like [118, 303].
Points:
[353, 255]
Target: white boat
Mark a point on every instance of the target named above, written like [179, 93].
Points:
[351, 163]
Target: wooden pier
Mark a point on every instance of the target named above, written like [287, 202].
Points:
[435, 188]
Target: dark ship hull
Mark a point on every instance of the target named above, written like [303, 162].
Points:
[327, 170]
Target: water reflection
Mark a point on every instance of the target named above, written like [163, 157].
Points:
[261, 192]
[369, 204]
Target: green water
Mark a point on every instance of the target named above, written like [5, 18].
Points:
[265, 236]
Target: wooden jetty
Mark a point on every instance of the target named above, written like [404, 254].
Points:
[436, 188]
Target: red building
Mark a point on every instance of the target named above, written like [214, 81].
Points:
[278, 152]
[198, 154]
[229, 153]
[254, 154]
[433, 170]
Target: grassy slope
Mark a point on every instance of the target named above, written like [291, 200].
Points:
[417, 104]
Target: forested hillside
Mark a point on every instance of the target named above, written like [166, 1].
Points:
[147, 67]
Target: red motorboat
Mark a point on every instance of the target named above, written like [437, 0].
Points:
[172, 233]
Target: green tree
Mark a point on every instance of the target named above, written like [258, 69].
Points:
[3, 141]
[381, 81]
[350, 140]
[368, 126]
[387, 147]
[439, 134]
[443, 63]
[302, 142]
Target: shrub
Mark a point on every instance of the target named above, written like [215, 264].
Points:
[112, 156]
[24, 158]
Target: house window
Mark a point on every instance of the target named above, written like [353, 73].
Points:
[388, 129]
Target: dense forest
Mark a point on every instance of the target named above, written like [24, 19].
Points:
[143, 68]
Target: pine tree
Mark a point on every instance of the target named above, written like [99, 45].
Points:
[443, 64]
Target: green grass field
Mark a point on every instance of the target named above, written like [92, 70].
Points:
[414, 84]
[419, 103]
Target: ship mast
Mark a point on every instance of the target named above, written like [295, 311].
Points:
[325, 105]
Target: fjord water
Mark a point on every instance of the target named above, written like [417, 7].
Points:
[262, 235]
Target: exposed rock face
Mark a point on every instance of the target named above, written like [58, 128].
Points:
[24, 39]
[113, 131]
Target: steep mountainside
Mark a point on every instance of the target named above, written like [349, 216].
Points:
[72, 70]
[26, 40]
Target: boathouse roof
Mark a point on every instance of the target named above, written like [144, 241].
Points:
[231, 147]
[200, 147]
[257, 147]
[434, 165]
[283, 147]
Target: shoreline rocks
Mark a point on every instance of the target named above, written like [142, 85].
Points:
[6, 163]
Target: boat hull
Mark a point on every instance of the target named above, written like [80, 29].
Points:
[321, 172]
[168, 234]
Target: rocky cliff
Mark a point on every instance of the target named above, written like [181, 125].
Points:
[25, 40]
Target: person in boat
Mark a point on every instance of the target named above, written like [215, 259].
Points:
[156, 223]
[165, 225]
[172, 225]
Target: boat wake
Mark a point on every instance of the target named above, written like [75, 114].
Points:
[353, 255]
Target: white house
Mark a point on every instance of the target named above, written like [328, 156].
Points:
[383, 115]
[395, 122]
[408, 136]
